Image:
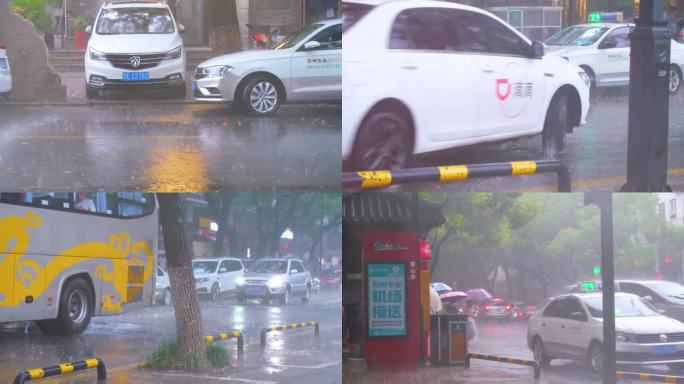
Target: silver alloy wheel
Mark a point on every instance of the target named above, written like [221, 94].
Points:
[78, 306]
[675, 79]
[308, 294]
[596, 358]
[263, 97]
[167, 297]
[287, 297]
[215, 292]
[538, 352]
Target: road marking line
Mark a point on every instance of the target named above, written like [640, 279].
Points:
[219, 378]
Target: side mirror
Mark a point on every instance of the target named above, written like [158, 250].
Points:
[311, 45]
[606, 44]
[648, 299]
[223, 270]
[89, 30]
[181, 28]
[293, 271]
[578, 316]
[537, 50]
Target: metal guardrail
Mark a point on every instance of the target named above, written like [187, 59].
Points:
[451, 173]
[649, 377]
[274, 328]
[508, 360]
[234, 334]
[38, 373]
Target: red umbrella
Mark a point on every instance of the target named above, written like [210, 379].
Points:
[453, 295]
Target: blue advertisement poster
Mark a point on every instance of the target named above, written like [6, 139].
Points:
[386, 299]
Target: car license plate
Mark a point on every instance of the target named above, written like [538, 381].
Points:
[254, 290]
[135, 76]
[664, 349]
[497, 310]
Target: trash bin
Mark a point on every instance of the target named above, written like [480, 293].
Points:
[448, 339]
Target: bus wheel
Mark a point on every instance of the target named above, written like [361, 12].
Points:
[75, 307]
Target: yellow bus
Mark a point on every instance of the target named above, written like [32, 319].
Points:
[65, 257]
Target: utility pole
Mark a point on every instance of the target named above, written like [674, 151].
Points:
[605, 203]
[649, 97]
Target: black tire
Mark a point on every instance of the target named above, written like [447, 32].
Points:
[307, 296]
[166, 298]
[676, 78]
[76, 306]
[384, 142]
[595, 350]
[540, 355]
[285, 298]
[261, 96]
[215, 292]
[555, 126]
[592, 77]
[241, 299]
[92, 93]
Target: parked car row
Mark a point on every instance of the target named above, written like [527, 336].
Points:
[138, 46]
[266, 279]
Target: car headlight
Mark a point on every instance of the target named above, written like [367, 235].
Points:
[202, 279]
[96, 55]
[585, 77]
[174, 54]
[624, 337]
[213, 71]
[240, 280]
[275, 282]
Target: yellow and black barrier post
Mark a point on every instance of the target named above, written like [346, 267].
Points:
[451, 173]
[649, 377]
[285, 327]
[508, 360]
[39, 373]
[234, 334]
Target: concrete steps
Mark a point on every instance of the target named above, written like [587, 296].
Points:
[72, 60]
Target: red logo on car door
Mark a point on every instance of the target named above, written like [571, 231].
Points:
[503, 89]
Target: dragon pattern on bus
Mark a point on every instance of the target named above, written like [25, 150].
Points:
[15, 233]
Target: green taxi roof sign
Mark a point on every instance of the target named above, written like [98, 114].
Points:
[588, 286]
[595, 17]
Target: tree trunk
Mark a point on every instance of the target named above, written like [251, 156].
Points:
[224, 28]
[189, 327]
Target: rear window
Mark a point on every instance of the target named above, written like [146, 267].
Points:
[352, 13]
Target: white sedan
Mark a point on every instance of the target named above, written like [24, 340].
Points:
[421, 76]
[571, 327]
[603, 50]
[5, 74]
[304, 67]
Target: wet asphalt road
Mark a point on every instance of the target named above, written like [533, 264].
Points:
[168, 147]
[596, 152]
[293, 356]
[509, 339]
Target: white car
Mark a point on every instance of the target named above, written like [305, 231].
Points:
[135, 45]
[571, 327]
[304, 67]
[162, 288]
[5, 74]
[213, 277]
[280, 279]
[603, 50]
[421, 76]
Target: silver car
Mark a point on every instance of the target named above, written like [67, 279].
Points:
[162, 288]
[280, 279]
[304, 67]
[5, 74]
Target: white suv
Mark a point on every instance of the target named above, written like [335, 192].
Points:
[5, 74]
[213, 277]
[135, 45]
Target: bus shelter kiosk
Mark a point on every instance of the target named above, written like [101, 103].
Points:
[391, 299]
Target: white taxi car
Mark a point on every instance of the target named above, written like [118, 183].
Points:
[213, 277]
[304, 67]
[135, 45]
[571, 327]
[421, 76]
[602, 50]
[5, 74]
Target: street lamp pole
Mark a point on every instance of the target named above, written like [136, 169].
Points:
[605, 203]
[649, 97]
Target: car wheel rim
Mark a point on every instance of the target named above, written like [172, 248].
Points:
[167, 298]
[388, 149]
[597, 359]
[78, 306]
[674, 80]
[538, 353]
[287, 297]
[263, 97]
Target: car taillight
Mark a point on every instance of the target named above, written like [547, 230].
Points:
[487, 308]
[2, 46]
[508, 307]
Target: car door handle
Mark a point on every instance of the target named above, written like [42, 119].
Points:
[543, 324]
[563, 326]
[409, 66]
[487, 70]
